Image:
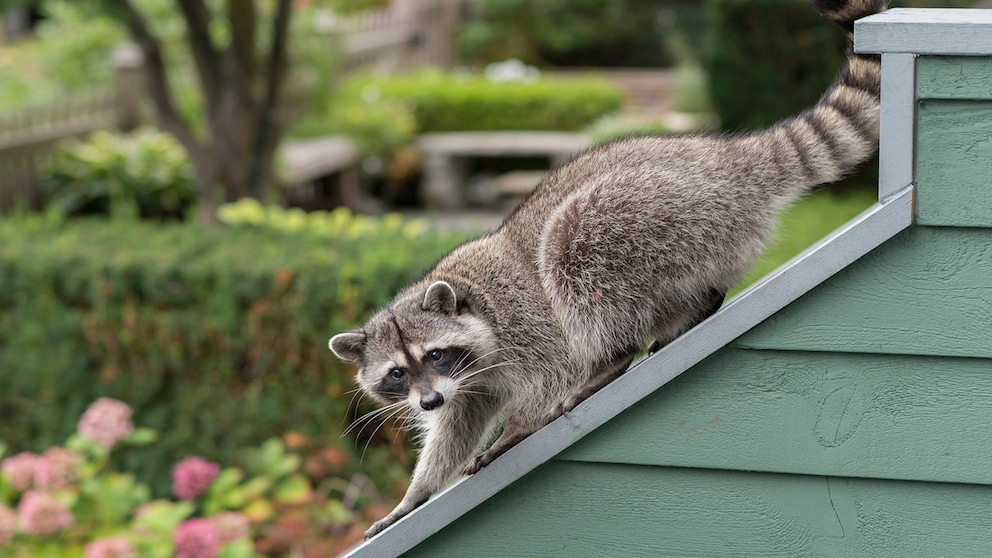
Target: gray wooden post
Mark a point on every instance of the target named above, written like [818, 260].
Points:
[129, 82]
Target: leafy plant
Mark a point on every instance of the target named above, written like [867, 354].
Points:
[68, 500]
[144, 173]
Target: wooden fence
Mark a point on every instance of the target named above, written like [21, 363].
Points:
[409, 34]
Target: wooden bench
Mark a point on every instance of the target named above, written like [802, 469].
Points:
[308, 165]
[445, 155]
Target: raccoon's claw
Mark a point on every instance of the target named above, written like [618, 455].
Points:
[380, 526]
[477, 464]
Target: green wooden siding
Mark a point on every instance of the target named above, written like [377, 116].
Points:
[954, 77]
[926, 292]
[954, 167]
[839, 414]
[603, 510]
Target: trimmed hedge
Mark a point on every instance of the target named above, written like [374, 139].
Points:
[768, 59]
[450, 102]
[217, 338]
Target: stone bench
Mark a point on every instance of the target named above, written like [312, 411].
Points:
[445, 156]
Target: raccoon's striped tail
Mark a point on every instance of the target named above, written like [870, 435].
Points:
[841, 130]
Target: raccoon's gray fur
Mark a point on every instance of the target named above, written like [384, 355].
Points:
[636, 240]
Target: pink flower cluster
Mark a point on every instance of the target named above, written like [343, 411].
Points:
[196, 538]
[110, 547]
[192, 476]
[41, 513]
[8, 524]
[54, 469]
[106, 421]
[204, 538]
[19, 470]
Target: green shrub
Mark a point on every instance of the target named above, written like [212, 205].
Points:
[450, 102]
[566, 32]
[216, 337]
[768, 59]
[145, 173]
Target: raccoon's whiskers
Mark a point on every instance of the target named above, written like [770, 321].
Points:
[358, 394]
[395, 409]
[371, 415]
[471, 375]
[461, 367]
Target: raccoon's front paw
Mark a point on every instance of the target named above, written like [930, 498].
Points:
[478, 463]
[380, 526]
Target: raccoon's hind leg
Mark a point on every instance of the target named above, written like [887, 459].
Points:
[601, 376]
[713, 301]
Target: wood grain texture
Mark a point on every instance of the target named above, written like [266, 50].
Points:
[955, 163]
[856, 415]
[928, 291]
[955, 77]
[580, 509]
[926, 31]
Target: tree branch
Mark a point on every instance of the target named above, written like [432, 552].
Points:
[205, 54]
[243, 18]
[158, 81]
[265, 129]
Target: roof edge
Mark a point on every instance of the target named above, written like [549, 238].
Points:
[849, 243]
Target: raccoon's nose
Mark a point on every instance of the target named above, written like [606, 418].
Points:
[431, 401]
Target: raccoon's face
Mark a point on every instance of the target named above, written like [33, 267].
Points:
[422, 349]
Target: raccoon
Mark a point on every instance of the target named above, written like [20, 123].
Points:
[636, 240]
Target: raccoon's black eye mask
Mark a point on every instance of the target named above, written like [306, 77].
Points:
[448, 361]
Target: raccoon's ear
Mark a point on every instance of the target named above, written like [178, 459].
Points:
[440, 297]
[348, 346]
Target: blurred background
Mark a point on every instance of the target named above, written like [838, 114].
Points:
[196, 194]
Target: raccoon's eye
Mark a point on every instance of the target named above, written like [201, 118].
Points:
[436, 354]
[396, 373]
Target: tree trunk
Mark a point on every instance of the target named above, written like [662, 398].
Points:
[240, 97]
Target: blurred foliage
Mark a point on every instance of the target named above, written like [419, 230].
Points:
[71, 53]
[72, 46]
[768, 59]
[144, 173]
[382, 114]
[273, 501]
[566, 32]
[216, 337]
[449, 102]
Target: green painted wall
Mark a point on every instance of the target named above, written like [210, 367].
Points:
[926, 292]
[579, 510]
[856, 422]
[954, 167]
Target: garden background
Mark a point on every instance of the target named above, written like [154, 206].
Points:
[166, 295]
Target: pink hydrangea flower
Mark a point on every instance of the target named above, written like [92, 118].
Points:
[196, 538]
[19, 470]
[8, 524]
[41, 514]
[192, 476]
[111, 547]
[106, 421]
[231, 526]
[55, 469]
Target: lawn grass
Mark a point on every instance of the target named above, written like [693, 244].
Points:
[804, 224]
